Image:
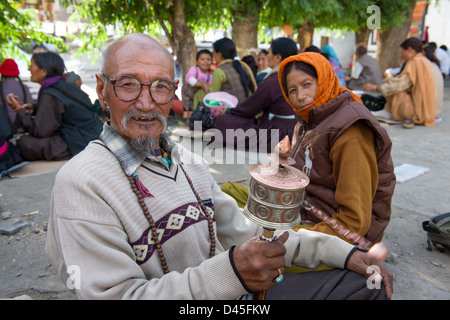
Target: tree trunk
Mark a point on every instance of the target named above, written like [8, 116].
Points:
[362, 37]
[388, 46]
[182, 39]
[245, 32]
[305, 34]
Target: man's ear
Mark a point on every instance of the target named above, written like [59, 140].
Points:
[278, 58]
[101, 91]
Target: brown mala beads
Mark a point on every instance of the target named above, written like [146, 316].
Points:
[149, 217]
[205, 211]
[137, 187]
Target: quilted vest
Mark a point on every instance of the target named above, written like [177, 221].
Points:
[325, 126]
[233, 85]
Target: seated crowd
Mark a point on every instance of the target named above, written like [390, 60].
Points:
[130, 250]
[57, 125]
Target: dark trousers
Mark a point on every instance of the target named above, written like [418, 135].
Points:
[335, 284]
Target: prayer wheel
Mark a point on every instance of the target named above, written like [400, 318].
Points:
[275, 194]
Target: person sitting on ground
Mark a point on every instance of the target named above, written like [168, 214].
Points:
[63, 120]
[438, 78]
[9, 154]
[336, 135]
[335, 64]
[410, 96]
[198, 77]
[443, 58]
[263, 66]
[365, 70]
[232, 75]
[146, 220]
[266, 109]
[250, 61]
[72, 77]
[10, 82]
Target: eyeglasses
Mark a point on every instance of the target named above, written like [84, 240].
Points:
[129, 88]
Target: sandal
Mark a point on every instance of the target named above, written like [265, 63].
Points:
[408, 124]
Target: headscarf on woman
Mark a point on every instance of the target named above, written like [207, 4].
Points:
[328, 86]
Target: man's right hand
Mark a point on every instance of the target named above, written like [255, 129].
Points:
[258, 261]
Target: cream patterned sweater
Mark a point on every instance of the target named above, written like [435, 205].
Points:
[98, 234]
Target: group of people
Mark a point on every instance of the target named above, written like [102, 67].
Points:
[146, 220]
[414, 95]
[55, 126]
[260, 103]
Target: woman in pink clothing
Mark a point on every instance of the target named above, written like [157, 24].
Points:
[197, 77]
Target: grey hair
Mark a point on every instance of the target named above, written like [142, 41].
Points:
[138, 39]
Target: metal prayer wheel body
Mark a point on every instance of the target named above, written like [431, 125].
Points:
[275, 195]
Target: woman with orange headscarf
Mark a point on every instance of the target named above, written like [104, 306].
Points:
[340, 146]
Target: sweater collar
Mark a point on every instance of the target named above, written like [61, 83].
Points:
[129, 158]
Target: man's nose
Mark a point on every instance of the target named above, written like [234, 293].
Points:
[145, 102]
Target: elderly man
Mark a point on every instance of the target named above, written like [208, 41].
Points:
[136, 216]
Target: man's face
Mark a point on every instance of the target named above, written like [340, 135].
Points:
[273, 59]
[137, 119]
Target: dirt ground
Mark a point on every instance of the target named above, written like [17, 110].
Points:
[418, 274]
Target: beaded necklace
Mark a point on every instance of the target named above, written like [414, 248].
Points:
[141, 192]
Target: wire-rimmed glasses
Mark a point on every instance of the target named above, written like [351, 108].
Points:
[128, 88]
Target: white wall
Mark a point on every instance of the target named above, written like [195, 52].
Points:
[438, 22]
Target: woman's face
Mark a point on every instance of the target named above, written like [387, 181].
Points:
[301, 88]
[408, 54]
[217, 56]
[37, 74]
[273, 60]
[204, 62]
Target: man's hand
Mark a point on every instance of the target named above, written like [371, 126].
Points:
[258, 261]
[360, 262]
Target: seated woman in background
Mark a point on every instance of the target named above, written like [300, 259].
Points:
[62, 122]
[411, 95]
[10, 82]
[329, 53]
[266, 108]
[232, 75]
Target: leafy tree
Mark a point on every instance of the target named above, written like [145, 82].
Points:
[396, 19]
[19, 28]
[173, 22]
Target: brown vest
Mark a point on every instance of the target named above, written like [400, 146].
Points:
[326, 124]
[233, 85]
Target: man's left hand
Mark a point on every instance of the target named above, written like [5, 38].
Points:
[360, 262]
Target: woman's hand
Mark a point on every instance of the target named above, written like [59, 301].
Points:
[13, 101]
[370, 87]
[28, 107]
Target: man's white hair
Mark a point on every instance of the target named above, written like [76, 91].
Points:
[139, 40]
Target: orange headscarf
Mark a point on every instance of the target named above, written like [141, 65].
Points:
[328, 86]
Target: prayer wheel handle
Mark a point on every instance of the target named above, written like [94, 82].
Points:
[377, 252]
